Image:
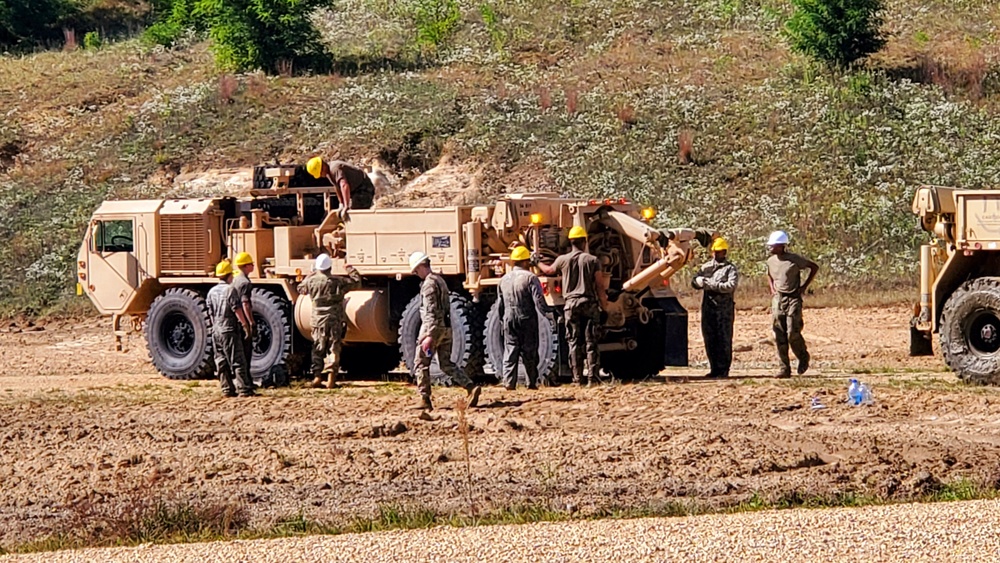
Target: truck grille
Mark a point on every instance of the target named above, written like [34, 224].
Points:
[183, 245]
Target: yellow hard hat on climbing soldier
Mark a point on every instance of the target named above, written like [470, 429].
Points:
[719, 244]
[315, 167]
[223, 269]
[520, 253]
[577, 232]
[243, 258]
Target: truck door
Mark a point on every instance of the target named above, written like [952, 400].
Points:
[112, 271]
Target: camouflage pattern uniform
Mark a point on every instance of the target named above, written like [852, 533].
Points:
[227, 340]
[520, 303]
[786, 309]
[435, 321]
[718, 313]
[244, 291]
[582, 312]
[329, 319]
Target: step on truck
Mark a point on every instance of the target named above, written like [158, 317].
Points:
[959, 281]
[148, 265]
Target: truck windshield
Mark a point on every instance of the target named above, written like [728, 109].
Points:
[113, 236]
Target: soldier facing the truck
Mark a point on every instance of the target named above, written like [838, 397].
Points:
[434, 337]
[329, 319]
[521, 302]
[784, 277]
[583, 289]
[229, 325]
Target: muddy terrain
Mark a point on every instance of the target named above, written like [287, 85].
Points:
[84, 426]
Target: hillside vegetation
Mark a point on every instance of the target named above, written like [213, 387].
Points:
[694, 106]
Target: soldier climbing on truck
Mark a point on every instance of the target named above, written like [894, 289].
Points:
[353, 186]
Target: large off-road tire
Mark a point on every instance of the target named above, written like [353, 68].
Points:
[467, 350]
[272, 343]
[548, 347]
[369, 360]
[970, 331]
[178, 335]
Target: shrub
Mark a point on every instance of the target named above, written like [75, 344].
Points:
[436, 21]
[836, 32]
[92, 40]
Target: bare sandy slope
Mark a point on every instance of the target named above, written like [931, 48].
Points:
[80, 423]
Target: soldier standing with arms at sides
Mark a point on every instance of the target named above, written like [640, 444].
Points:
[244, 290]
[521, 302]
[719, 278]
[228, 321]
[784, 277]
[435, 333]
[329, 319]
[583, 289]
[353, 186]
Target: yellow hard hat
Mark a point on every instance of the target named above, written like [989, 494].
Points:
[520, 253]
[719, 244]
[223, 269]
[243, 258]
[315, 167]
[577, 232]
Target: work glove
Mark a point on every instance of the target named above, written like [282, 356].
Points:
[535, 258]
[698, 282]
[344, 214]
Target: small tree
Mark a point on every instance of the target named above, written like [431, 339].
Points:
[248, 34]
[836, 32]
[261, 34]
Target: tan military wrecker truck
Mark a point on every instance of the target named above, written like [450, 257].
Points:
[148, 265]
[960, 281]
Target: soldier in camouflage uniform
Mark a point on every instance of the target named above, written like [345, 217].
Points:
[229, 325]
[583, 289]
[719, 278]
[329, 320]
[521, 302]
[435, 334]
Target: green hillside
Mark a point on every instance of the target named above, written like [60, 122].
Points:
[591, 97]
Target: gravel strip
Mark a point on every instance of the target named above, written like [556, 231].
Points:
[956, 531]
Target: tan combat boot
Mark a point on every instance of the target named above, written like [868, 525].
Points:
[317, 383]
[425, 404]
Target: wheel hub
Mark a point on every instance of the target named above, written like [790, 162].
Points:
[984, 333]
[178, 334]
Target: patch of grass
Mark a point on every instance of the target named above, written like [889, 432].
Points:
[142, 517]
[155, 520]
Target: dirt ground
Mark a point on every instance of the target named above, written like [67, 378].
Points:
[81, 423]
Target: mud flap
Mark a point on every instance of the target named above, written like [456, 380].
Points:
[920, 343]
[675, 333]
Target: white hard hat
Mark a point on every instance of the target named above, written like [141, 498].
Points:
[418, 258]
[777, 237]
[323, 262]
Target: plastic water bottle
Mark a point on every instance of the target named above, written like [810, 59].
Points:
[854, 394]
[866, 394]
